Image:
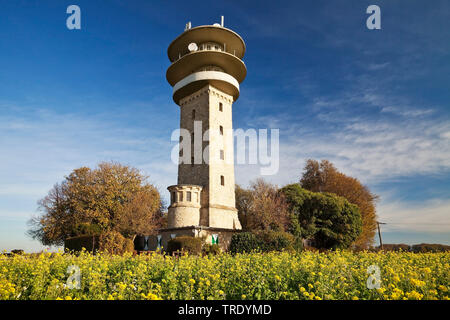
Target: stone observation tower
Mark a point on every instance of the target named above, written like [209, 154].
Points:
[205, 72]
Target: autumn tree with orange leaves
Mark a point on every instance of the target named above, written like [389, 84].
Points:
[109, 198]
[324, 177]
[262, 207]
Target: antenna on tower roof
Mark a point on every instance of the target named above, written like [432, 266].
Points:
[188, 26]
[221, 20]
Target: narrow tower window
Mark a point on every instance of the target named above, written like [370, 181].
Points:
[222, 156]
[220, 106]
[221, 130]
[222, 180]
[188, 196]
[173, 197]
[180, 196]
[193, 114]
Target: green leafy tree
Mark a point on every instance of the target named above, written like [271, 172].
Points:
[331, 221]
[324, 177]
[111, 197]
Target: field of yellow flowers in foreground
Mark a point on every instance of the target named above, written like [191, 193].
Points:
[278, 275]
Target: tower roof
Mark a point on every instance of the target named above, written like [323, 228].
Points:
[208, 33]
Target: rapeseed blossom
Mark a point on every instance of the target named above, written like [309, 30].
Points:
[276, 275]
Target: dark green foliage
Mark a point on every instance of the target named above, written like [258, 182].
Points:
[262, 241]
[244, 242]
[86, 229]
[187, 244]
[212, 249]
[90, 243]
[17, 251]
[331, 221]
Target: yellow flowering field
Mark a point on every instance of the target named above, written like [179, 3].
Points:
[277, 275]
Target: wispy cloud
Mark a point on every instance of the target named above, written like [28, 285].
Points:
[373, 149]
[430, 216]
[365, 136]
[38, 150]
[377, 66]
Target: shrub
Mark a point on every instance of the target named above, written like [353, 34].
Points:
[90, 243]
[114, 243]
[276, 240]
[245, 242]
[331, 221]
[263, 241]
[213, 249]
[187, 244]
[17, 251]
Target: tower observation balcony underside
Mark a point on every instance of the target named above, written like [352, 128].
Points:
[191, 62]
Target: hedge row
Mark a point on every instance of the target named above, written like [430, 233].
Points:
[263, 242]
[111, 242]
[416, 248]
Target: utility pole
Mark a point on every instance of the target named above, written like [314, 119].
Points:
[379, 234]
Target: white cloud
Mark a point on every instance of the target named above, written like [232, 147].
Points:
[407, 112]
[431, 216]
[373, 151]
[39, 149]
[365, 137]
[377, 66]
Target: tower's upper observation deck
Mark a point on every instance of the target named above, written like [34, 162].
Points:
[206, 54]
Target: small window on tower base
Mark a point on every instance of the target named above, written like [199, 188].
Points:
[222, 180]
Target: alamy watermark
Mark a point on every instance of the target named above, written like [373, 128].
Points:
[74, 279]
[374, 278]
[216, 146]
[74, 20]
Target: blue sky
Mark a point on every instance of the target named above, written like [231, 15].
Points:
[374, 102]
